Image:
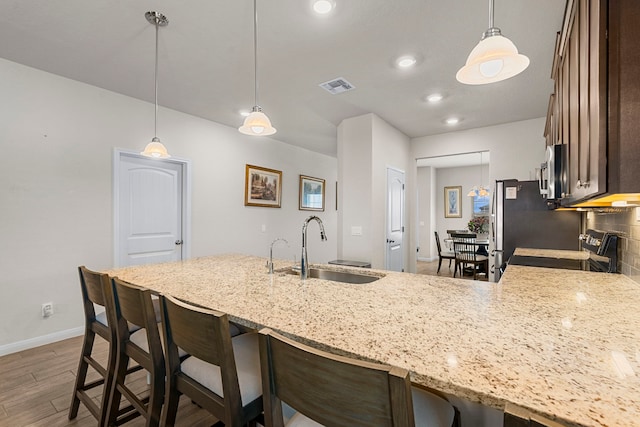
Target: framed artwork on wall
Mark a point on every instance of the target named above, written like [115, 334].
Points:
[452, 207]
[262, 187]
[311, 194]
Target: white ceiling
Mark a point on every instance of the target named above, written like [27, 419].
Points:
[206, 58]
[456, 160]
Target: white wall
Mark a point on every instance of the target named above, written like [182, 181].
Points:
[425, 212]
[391, 149]
[57, 138]
[516, 149]
[367, 146]
[354, 188]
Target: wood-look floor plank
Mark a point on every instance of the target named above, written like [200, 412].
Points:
[36, 387]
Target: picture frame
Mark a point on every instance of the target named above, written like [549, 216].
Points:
[452, 206]
[311, 194]
[262, 187]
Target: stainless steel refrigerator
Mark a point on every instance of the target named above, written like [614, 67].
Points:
[521, 218]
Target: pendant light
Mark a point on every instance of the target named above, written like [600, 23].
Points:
[481, 190]
[155, 148]
[494, 59]
[257, 123]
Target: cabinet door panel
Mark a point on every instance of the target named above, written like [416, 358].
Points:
[583, 97]
[597, 93]
[573, 63]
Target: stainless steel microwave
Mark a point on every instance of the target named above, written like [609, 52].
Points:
[553, 173]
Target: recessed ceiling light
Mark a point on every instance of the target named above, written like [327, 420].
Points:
[323, 6]
[452, 121]
[435, 97]
[244, 113]
[406, 61]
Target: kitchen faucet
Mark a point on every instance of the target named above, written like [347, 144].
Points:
[270, 262]
[304, 268]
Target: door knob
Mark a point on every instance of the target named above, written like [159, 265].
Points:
[390, 241]
[179, 242]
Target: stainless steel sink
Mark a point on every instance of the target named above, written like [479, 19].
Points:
[336, 276]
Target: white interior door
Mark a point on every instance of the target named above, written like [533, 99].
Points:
[149, 209]
[395, 220]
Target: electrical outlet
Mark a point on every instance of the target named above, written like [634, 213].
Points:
[47, 309]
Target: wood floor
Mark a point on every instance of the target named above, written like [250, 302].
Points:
[36, 387]
[430, 268]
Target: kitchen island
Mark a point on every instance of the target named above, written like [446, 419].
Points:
[564, 344]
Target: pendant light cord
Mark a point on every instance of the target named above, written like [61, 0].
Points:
[490, 13]
[155, 125]
[255, 51]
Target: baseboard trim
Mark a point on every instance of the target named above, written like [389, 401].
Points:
[427, 259]
[41, 340]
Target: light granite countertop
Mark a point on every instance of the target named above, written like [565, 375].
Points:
[565, 344]
[552, 253]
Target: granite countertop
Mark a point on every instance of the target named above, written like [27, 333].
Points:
[552, 253]
[561, 343]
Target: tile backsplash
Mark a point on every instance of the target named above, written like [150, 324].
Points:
[628, 227]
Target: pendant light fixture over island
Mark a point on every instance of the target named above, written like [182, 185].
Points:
[257, 123]
[494, 59]
[155, 148]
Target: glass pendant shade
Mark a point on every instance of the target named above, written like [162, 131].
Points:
[257, 124]
[494, 59]
[156, 149]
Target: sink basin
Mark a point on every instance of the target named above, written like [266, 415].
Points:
[336, 276]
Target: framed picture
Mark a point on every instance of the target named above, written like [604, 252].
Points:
[452, 207]
[311, 193]
[262, 187]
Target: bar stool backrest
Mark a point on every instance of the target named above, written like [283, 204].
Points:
[330, 389]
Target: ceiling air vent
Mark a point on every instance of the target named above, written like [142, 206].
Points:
[337, 86]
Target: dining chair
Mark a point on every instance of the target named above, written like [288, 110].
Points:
[135, 306]
[96, 292]
[443, 254]
[326, 389]
[466, 248]
[515, 416]
[222, 374]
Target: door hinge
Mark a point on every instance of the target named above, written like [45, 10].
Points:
[403, 186]
[403, 228]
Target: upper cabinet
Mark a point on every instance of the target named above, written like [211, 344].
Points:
[595, 106]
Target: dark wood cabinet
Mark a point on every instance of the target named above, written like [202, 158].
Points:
[595, 108]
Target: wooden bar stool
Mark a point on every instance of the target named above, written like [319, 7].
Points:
[222, 374]
[96, 291]
[515, 416]
[331, 390]
[134, 306]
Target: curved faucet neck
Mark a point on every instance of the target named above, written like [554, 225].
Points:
[304, 259]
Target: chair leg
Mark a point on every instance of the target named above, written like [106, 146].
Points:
[114, 400]
[156, 398]
[439, 264]
[87, 348]
[171, 400]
